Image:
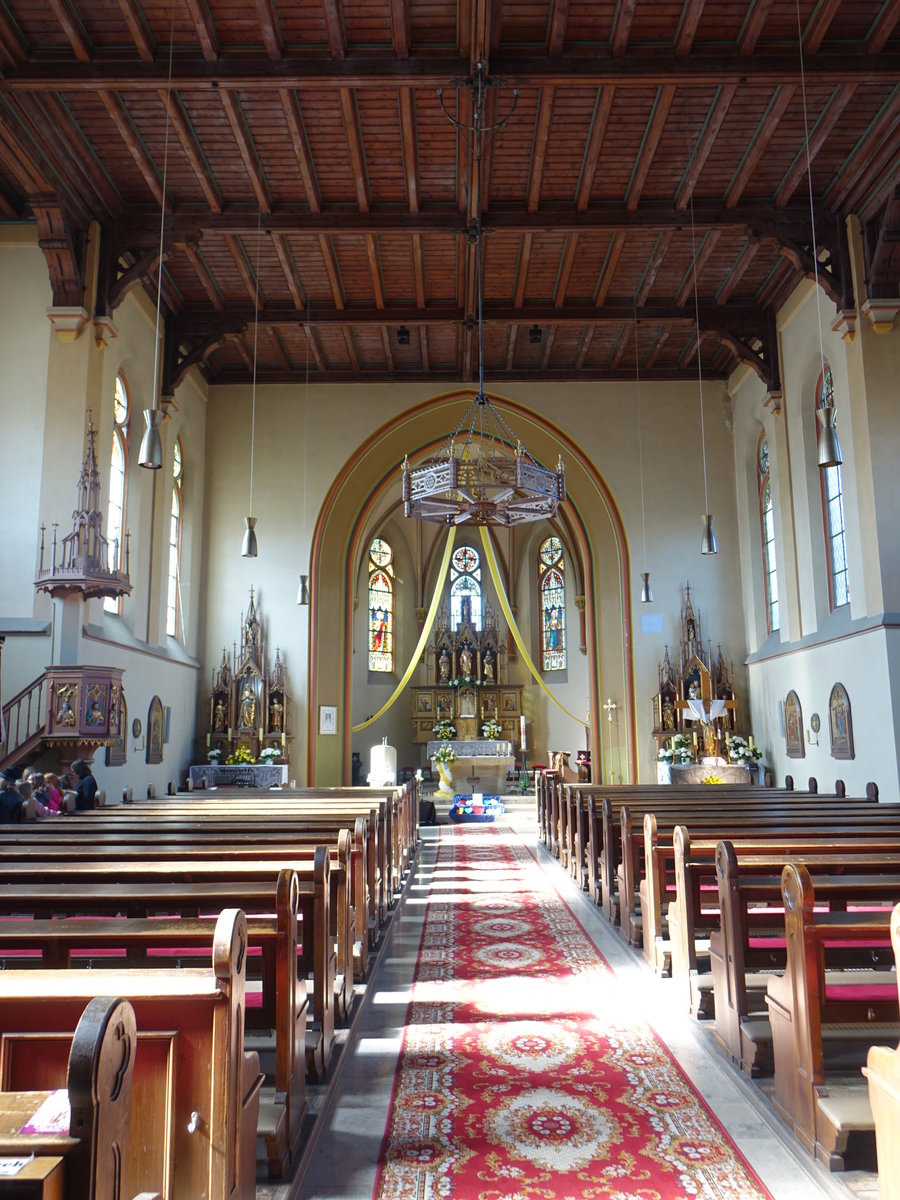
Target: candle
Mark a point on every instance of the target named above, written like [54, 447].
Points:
[207, 741]
[229, 733]
[283, 739]
[750, 739]
[522, 732]
[694, 736]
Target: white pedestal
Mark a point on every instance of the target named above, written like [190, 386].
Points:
[382, 766]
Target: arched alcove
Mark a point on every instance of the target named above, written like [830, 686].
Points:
[366, 491]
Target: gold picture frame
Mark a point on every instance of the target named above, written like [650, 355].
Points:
[443, 704]
[793, 726]
[840, 723]
[425, 703]
[489, 704]
[509, 703]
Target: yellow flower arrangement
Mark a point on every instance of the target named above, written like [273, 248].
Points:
[240, 755]
[712, 779]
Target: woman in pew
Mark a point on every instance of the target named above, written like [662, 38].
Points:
[86, 788]
[12, 806]
[55, 801]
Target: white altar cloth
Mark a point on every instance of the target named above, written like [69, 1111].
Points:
[481, 765]
[697, 772]
[258, 775]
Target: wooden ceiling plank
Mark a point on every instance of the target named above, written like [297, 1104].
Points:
[418, 258]
[539, 149]
[290, 104]
[565, 270]
[237, 340]
[312, 342]
[62, 145]
[716, 116]
[616, 244]
[355, 148]
[734, 276]
[839, 100]
[695, 341]
[423, 347]
[375, 270]
[620, 347]
[599, 124]
[72, 28]
[388, 352]
[192, 151]
[884, 25]
[121, 118]
[522, 270]
[548, 347]
[13, 46]
[817, 28]
[875, 185]
[288, 268]
[204, 29]
[268, 23]
[662, 337]
[778, 106]
[400, 27]
[687, 27]
[408, 141]
[703, 255]
[337, 42]
[81, 151]
[246, 150]
[281, 352]
[621, 29]
[241, 261]
[350, 343]
[663, 242]
[137, 27]
[652, 134]
[559, 20]
[21, 166]
[195, 258]
[859, 160]
[753, 26]
[586, 338]
[331, 268]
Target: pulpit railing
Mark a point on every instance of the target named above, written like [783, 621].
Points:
[24, 718]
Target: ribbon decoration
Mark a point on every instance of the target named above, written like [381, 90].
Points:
[423, 637]
[511, 621]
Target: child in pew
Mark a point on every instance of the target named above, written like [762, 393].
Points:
[55, 800]
[41, 795]
[12, 806]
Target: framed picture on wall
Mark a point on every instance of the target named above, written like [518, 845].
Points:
[793, 726]
[443, 705]
[840, 723]
[156, 726]
[327, 718]
[489, 704]
[424, 702]
[509, 702]
[117, 750]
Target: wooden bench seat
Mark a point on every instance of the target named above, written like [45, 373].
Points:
[882, 1070]
[820, 1037]
[195, 1088]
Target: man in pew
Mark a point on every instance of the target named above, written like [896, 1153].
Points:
[86, 787]
[12, 806]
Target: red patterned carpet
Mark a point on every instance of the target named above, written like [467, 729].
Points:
[523, 1074]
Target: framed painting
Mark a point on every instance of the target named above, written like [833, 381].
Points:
[489, 704]
[840, 723]
[156, 728]
[327, 718]
[793, 726]
[443, 705]
[509, 702]
[426, 730]
[117, 750]
[425, 703]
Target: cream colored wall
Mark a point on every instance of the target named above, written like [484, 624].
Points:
[46, 390]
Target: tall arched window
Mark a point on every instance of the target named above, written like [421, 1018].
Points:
[381, 606]
[833, 509]
[767, 531]
[118, 469]
[465, 587]
[173, 597]
[552, 585]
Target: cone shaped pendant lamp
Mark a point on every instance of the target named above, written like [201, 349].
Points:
[646, 590]
[250, 546]
[708, 543]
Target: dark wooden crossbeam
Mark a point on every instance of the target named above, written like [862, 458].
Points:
[228, 373]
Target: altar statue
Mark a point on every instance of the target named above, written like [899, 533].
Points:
[248, 708]
[219, 718]
[668, 714]
[489, 666]
[465, 661]
[444, 666]
[276, 711]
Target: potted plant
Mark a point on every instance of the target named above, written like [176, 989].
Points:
[742, 752]
[214, 756]
[442, 758]
[268, 754]
[491, 729]
[444, 729]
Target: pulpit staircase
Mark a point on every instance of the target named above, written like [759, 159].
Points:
[24, 725]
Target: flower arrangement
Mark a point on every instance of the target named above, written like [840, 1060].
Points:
[739, 751]
[712, 779]
[491, 729]
[444, 754]
[444, 729]
[677, 751]
[240, 755]
[464, 681]
[268, 755]
[214, 755]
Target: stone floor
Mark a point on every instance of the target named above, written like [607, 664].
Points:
[350, 1115]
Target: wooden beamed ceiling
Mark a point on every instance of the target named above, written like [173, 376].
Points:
[656, 151]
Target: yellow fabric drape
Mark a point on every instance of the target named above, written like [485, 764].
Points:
[423, 638]
[511, 621]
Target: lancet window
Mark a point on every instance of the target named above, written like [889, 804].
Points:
[552, 587]
[381, 606]
[833, 511]
[767, 532]
[118, 469]
[173, 599]
[465, 587]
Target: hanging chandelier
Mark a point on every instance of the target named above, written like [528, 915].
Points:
[482, 473]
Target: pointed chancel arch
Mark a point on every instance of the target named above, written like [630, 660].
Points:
[368, 487]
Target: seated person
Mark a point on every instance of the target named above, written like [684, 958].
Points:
[12, 806]
[86, 787]
[41, 795]
[55, 800]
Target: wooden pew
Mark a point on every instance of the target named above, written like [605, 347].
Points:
[815, 1024]
[86, 1162]
[882, 1070]
[195, 1091]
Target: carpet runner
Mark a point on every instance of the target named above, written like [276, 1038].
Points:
[525, 1073]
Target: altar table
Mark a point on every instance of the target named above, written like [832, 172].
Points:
[255, 775]
[481, 764]
[697, 772]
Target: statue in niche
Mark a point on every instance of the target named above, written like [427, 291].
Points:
[95, 713]
[489, 666]
[248, 708]
[465, 661]
[694, 690]
[65, 714]
[444, 666]
[219, 717]
[668, 714]
[276, 710]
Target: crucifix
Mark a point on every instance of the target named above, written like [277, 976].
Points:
[609, 708]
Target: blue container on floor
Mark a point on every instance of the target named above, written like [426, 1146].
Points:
[471, 810]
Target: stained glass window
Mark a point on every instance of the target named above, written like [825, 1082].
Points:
[172, 598]
[381, 606]
[465, 587]
[552, 586]
[833, 510]
[767, 527]
[118, 465]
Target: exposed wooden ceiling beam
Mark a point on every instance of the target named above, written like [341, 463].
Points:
[355, 148]
[539, 150]
[224, 374]
[137, 27]
[860, 157]
[237, 341]
[565, 270]
[192, 151]
[613, 250]
[584, 346]
[335, 24]
[556, 34]
[312, 342]
[548, 348]
[60, 140]
[711, 126]
[246, 272]
[652, 134]
[753, 26]
[244, 143]
[618, 36]
[599, 123]
[121, 118]
[423, 347]
[72, 28]
[829, 117]
[400, 27]
[204, 28]
[418, 260]
[375, 270]
[662, 336]
[255, 73]
[13, 47]
[815, 31]
[758, 143]
[615, 359]
[692, 347]
[331, 269]
[687, 27]
[6, 209]
[512, 338]
[883, 27]
[663, 242]
[288, 269]
[522, 270]
[696, 268]
[281, 353]
[268, 23]
[388, 352]
[293, 116]
[195, 258]
[803, 261]
[408, 142]
[875, 185]
[734, 276]
[19, 162]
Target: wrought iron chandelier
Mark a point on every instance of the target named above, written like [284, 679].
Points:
[482, 473]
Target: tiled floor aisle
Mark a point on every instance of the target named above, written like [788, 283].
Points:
[342, 1166]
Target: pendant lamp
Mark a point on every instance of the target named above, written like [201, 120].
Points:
[646, 590]
[708, 543]
[249, 546]
[303, 590]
